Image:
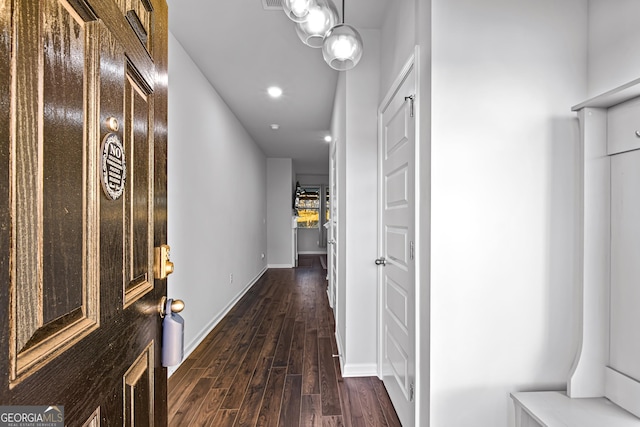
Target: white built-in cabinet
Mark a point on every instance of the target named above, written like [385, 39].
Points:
[603, 389]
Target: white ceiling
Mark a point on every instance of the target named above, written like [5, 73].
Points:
[242, 49]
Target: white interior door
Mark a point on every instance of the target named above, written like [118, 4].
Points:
[396, 237]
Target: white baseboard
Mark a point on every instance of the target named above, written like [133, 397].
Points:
[312, 252]
[360, 370]
[280, 266]
[353, 369]
[189, 348]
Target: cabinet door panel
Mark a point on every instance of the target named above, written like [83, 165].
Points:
[623, 123]
[625, 265]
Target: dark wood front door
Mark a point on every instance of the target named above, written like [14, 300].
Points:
[79, 323]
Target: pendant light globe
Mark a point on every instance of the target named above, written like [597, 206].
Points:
[296, 10]
[342, 47]
[322, 16]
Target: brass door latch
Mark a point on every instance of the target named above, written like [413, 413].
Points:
[162, 266]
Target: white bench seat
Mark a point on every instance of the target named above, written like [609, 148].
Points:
[556, 409]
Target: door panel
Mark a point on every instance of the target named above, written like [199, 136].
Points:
[78, 300]
[54, 282]
[396, 236]
[396, 186]
[624, 350]
[395, 132]
[63, 155]
[397, 246]
[139, 210]
[138, 390]
[397, 303]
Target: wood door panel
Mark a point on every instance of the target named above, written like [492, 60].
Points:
[138, 122]
[89, 375]
[139, 13]
[6, 39]
[138, 390]
[94, 419]
[66, 336]
[111, 13]
[62, 148]
[112, 220]
[24, 164]
[139, 146]
[53, 285]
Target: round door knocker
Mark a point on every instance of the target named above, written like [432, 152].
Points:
[114, 166]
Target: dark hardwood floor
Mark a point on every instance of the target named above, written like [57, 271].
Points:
[270, 362]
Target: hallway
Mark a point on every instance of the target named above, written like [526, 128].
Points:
[269, 362]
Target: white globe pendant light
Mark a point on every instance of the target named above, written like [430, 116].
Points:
[342, 46]
[322, 16]
[296, 10]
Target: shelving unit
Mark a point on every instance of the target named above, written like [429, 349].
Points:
[604, 384]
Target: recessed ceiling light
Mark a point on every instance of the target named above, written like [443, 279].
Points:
[327, 138]
[274, 92]
[274, 126]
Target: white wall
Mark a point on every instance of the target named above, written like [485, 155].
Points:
[504, 147]
[308, 241]
[614, 37]
[312, 179]
[216, 199]
[361, 184]
[280, 179]
[354, 127]
[398, 41]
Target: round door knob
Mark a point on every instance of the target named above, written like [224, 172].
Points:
[177, 306]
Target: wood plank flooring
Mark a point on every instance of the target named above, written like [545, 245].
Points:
[270, 362]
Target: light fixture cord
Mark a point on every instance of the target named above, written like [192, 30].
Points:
[343, 2]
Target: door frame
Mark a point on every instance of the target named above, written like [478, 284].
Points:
[412, 63]
[332, 245]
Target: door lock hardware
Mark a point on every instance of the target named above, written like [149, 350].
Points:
[162, 266]
[172, 331]
[176, 306]
[410, 98]
[381, 261]
[112, 124]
